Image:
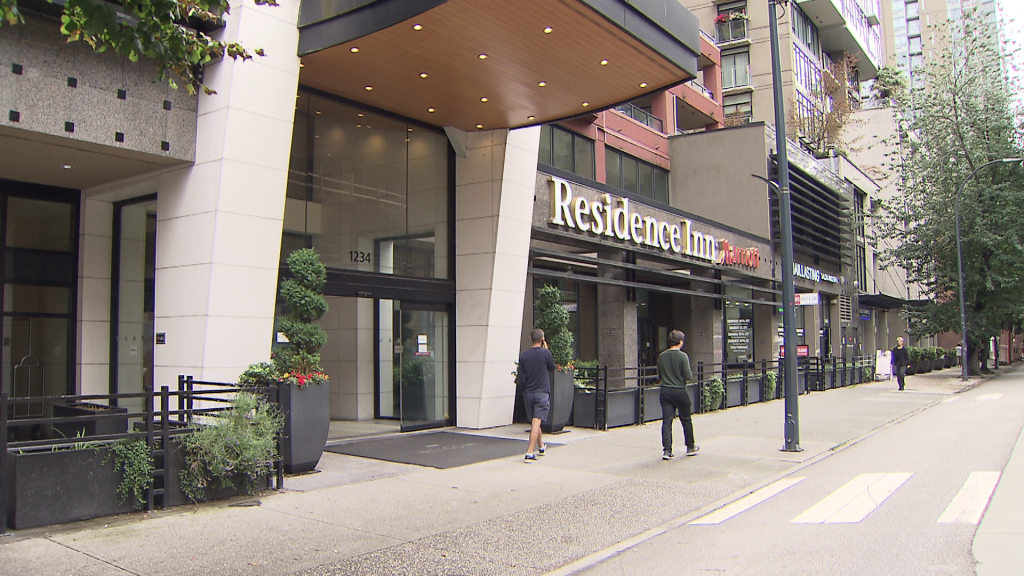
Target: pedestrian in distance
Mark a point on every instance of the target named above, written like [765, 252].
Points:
[959, 353]
[899, 358]
[535, 367]
[673, 375]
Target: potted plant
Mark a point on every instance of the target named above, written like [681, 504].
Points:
[584, 407]
[305, 392]
[553, 319]
[714, 391]
[927, 357]
[914, 355]
[83, 480]
[951, 358]
[233, 454]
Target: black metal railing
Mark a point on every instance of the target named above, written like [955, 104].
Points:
[97, 420]
[642, 116]
[608, 397]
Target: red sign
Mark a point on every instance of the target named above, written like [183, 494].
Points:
[727, 254]
[802, 351]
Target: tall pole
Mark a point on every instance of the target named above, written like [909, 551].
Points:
[792, 424]
[964, 369]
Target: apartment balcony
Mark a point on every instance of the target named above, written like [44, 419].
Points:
[696, 107]
[844, 27]
[642, 116]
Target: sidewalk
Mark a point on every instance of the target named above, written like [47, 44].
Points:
[591, 491]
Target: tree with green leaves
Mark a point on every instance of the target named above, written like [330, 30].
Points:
[154, 29]
[553, 319]
[962, 117]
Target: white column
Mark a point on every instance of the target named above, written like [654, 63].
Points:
[494, 210]
[220, 220]
[94, 296]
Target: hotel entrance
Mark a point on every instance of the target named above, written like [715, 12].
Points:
[413, 364]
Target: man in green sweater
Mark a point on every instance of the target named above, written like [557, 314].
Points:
[673, 374]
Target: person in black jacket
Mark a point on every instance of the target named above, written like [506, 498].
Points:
[900, 359]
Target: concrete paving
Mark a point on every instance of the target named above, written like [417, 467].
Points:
[591, 492]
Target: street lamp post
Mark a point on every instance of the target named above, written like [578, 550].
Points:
[792, 423]
[964, 369]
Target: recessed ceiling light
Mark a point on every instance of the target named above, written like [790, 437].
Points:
[542, 84]
[585, 104]
[604, 62]
[423, 74]
[531, 117]
[410, 129]
[359, 125]
[417, 27]
[479, 125]
[68, 166]
[368, 126]
[301, 65]
[548, 30]
[319, 112]
[643, 84]
[482, 56]
[368, 88]
[360, 114]
[484, 99]
[431, 110]
[353, 49]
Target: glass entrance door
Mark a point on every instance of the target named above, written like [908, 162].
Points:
[413, 383]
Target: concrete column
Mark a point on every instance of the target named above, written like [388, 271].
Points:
[94, 296]
[494, 188]
[220, 220]
[703, 332]
[616, 323]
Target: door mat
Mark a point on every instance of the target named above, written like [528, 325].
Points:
[434, 450]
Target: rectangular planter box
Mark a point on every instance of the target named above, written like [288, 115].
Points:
[652, 404]
[64, 486]
[104, 421]
[584, 408]
[623, 408]
[173, 496]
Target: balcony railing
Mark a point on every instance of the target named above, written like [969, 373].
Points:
[731, 31]
[702, 89]
[641, 115]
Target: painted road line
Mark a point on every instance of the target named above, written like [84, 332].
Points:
[748, 501]
[990, 396]
[969, 504]
[953, 399]
[854, 500]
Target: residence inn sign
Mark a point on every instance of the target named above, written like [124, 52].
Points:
[609, 219]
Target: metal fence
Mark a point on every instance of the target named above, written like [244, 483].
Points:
[607, 397]
[96, 420]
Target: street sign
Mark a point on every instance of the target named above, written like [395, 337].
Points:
[809, 299]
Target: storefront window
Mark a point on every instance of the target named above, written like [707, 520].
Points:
[370, 192]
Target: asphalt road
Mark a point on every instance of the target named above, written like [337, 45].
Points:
[824, 520]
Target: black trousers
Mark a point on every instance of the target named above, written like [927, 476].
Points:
[901, 374]
[675, 400]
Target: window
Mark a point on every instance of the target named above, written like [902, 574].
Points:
[914, 28]
[737, 106]
[915, 45]
[567, 151]
[636, 176]
[808, 74]
[805, 30]
[912, 9]
[735, 69]
[731, 22]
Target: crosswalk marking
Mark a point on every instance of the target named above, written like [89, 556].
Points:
[748, 501]
[969, 504]
[854, 500]
[996, 396]
[952, 399]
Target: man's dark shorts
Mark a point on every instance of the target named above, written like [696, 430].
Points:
[537, 405]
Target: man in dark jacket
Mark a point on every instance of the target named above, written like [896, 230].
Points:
[535, 368]
[899, 359]
[673, 375]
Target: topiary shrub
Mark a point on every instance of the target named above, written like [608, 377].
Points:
[553, 319]
[298, 361]
[771, 380]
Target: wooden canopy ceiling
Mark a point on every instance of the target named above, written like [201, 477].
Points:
[487, 65]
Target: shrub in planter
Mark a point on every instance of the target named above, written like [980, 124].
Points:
[771, 380]
[238, 449]
[714, 390]
[553, 319]
[134, 461]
